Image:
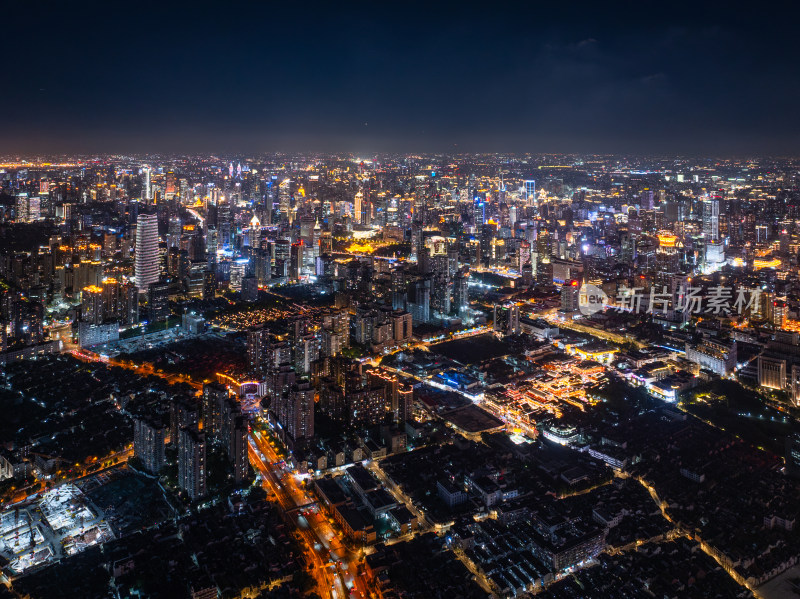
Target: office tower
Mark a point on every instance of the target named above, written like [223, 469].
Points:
[28, 208]
[506, 319]
[184, 192]
[192, 462]
[212, 245]
[157, 301]
[530, 192]
[148, 443]
[419, 304]
[169, 188]
[711, 219]
[130, 295]
[238, 270]
[479, 212]
[146, 185]
[460, 292]
[358, 200]
[146, 259]
[285, 199]
[296, 261]
[262, 266]
[399, 289]
[366, 208]
[174, 232]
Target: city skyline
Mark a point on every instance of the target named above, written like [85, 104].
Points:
[556, 375]
[372, 300]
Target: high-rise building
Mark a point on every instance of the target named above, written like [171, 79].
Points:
[148, 443]
[146, 258]
[157, 301]
[358, 201]
[299, 412]
[146, 184]
[296, 264]
[530, 192]
[28, 208]
[169, 186]
[570, 296]
[306, 351]
[257, 344]
[237, 448]
[92, 304]
[213, 396]
[183, 413]
[405, 402]
[192, 462]
[711, 219]
[401, 326]
[506, 319]
[460, 292]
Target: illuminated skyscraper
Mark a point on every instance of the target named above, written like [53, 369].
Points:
[357, 204]
[169, 189]
[285, 198]
[711, 219]
[146, 184]
[146, 258]
[530, 192]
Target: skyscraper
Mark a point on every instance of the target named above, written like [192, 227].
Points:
[169, 188]
[146, 258]
[711, 219]
[146, 184]
[357, 206]
[192, 462]
[237, 448]
[530, 192]
[297, 412]
[148, 443]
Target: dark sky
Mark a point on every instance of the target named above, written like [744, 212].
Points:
[367, 77]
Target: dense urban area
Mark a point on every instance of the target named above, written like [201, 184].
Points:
[399, 376]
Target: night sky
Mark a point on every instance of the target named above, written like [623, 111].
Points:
[383, 76]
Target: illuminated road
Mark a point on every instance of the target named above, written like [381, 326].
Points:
[144, 369]
[276, 489]
[196, 214]
[336, 577]
[339, 574]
